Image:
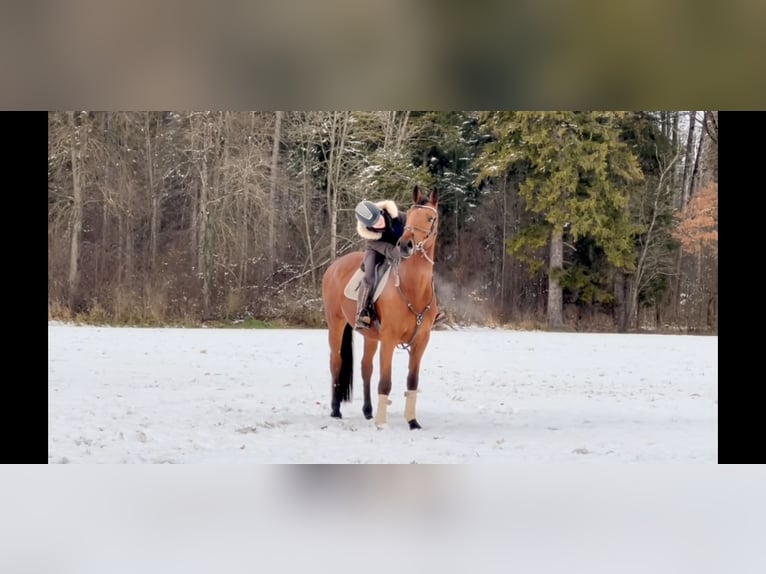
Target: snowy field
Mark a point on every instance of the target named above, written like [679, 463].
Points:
[120, 395]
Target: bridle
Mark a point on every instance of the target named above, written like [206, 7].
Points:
[421, 245]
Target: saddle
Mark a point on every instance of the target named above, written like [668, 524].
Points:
[382, 273]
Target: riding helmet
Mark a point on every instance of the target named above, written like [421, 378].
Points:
[367, 213]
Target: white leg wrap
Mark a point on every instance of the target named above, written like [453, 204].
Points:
[409, 405]
[381, 415]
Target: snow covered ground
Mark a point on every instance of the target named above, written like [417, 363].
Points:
[121, 395]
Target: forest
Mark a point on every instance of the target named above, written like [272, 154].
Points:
[559, 220]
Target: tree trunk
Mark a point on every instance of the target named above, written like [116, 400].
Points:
[306, 211]
[695, 179]
[245, 206]
[688, 159]
[710, 165]
[457, 229]
[273, 193]
[402, 131]
[632, 289]
[332, 201]
[101, 258]
[202, 216]
[126, 190]
[555, 294]
[698, 280]
[674, 144]
[154, 196]
[101, 253]
[334, 162]
[202, 238]
[76, 147]
[620, 303]
[503, 249]
[388, 129]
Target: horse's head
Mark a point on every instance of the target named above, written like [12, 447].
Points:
[421, 225]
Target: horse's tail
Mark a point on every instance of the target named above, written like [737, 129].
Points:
[346, 376]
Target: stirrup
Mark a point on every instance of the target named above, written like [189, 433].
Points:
[361, 323]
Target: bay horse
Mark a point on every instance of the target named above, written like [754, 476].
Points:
[406, 309]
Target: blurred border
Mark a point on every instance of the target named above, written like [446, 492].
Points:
[543, 518]
[87, 54]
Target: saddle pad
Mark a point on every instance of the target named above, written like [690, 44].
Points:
[352, 287]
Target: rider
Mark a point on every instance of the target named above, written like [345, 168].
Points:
[381, 225]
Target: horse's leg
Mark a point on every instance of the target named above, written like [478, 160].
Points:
[370, 347]
[341, 367]
[413, 374]
[384, 384]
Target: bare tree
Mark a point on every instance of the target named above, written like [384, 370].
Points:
[201, 137]
[675, 292]
[688, 161]
[304, 143]
[695, 177]
[338, 132]
[78, 144]
[394, 127]
[653, 259]
[154, 195]
[273, 209]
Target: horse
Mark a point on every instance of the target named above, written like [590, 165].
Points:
[406, 309]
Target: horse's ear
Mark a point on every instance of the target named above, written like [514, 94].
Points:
[434, 199]
[416, 195]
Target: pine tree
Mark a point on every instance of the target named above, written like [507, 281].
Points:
[576, 174]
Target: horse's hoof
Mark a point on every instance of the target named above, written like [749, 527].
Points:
[336, 415]
[367, 413]
[414, 425]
